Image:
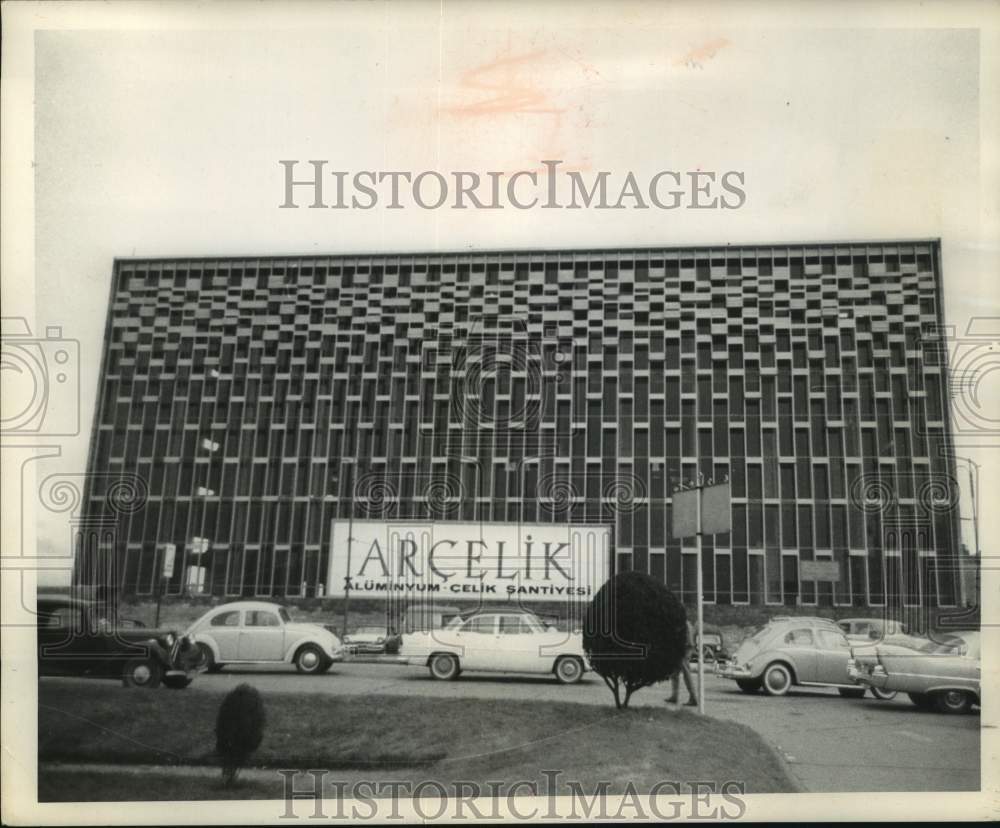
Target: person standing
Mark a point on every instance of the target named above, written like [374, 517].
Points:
[685, 669]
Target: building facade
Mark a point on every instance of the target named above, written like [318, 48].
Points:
[251, 403]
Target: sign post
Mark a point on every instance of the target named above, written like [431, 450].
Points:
[347, 582]
[699, 641]
[698, 509]
[169, 553]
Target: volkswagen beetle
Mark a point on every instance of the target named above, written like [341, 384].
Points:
[261, 632]
[799, 651]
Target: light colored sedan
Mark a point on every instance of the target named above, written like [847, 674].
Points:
[944, 675]
[794, 651]
[499, 642]
[872, 631]
[260, 632]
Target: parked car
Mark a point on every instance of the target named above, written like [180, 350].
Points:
[261, 632]
[374, 640]
[130, 622]
[712, 649]
[791, 651]
[504, 641]
[878, 631]
[74, 639]
[944, 675]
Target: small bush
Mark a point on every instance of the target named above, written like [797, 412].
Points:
[239, 729]
[634, 633]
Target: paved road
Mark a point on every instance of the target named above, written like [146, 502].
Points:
[831, 743]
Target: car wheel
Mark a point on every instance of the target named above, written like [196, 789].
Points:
[142, 672]
[444, 667]
[922, 700]
[777, 680]
[310, 659]
[748, 685]
[206, 659]
[953, 701]
[569, 670]
[883, 695]
[177, 682]
[852, 692]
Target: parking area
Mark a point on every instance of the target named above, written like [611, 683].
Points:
[831, 743]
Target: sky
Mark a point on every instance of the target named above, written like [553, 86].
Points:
[155, 130]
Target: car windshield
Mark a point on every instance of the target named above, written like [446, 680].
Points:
[949, 646]
[284, 615]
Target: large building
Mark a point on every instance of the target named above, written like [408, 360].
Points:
[254, 403]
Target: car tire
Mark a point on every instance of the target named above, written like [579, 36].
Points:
[777, 679]
[206, 659]
[310, 660]
[922, 700]
[142, 672]
[444, 667]
[177, 682]
[568, 670]
[883, 695]
[852, 692]
[953, 701]
[748, 685]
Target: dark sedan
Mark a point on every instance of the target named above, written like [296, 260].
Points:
[74, 639]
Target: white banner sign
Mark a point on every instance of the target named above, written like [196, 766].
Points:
[487, 561]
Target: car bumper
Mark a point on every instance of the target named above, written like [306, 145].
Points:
[733, 671]
[870, 679]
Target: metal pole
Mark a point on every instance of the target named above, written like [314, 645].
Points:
[975, 514]
[201, 530]
[350, 540]
[159, 600]
[977, 581]
[701, 614]
[347, 586]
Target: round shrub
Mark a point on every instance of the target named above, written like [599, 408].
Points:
[239, 729]
[634, 633]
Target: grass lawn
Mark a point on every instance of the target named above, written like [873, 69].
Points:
[413, 738]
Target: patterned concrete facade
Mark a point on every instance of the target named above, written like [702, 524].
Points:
[251, 402]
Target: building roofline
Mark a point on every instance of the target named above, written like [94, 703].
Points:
[524, 251]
